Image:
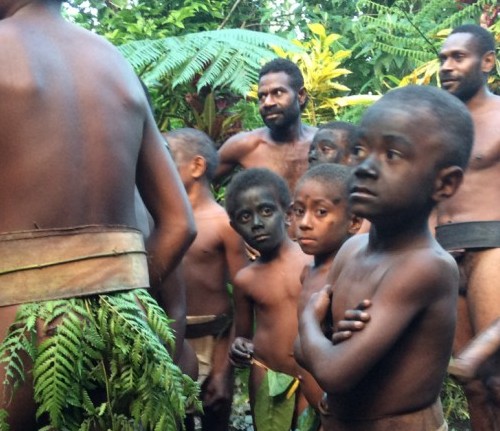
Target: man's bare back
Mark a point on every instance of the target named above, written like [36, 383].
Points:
[77, 135]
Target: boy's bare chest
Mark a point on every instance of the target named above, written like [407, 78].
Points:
[357, 282]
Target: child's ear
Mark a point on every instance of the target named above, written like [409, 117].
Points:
[198, 167]
[447, 183]
[354, 224]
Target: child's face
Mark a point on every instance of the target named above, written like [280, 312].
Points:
[321, 217]
[329, 146]
[396, 156]
[259, 219]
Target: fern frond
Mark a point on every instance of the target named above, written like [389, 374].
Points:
[181, 59]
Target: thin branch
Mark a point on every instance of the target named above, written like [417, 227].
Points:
[419, 31]
[223, 23]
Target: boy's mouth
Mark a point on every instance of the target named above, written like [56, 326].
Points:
[261, 237]
[361, 191]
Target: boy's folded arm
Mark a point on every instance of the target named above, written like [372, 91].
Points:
[399, 298]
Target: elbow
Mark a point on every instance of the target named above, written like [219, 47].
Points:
[332, 382]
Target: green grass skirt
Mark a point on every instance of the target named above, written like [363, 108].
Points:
[112, 345]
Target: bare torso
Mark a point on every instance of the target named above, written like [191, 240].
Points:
[256, 149]
[477, 196]
[205, 266]
[274, 288]
[408, 375]
[313, 279]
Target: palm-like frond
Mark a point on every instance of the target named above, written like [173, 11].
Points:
[229, 58]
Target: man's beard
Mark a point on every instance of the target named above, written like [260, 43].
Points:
[286, 117]
[468, 86]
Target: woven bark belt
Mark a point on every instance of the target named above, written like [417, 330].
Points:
[50, 264]
[201, 326]
[478, 234]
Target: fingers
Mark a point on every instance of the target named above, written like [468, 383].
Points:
[364, 304]
[338, 337]
[357, 315]
[241, 352]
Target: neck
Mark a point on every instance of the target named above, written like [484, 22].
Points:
[324, 259]
[199, 194]
[399, 235]
[480, 98]
[274, 254]
[290, 133]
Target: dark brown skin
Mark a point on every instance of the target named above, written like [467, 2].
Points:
[271, 289]
[396, 364]
[283, 148]
[266, 291]
[76, 136]
[212, 261]
[476, 201]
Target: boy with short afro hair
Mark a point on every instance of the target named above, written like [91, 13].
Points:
[413, 147]
[266, 290]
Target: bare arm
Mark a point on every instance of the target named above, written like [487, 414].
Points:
[400, 297]
[241, 351]
[232, 151]
[166, 200]
[172, 298]
[234, 248]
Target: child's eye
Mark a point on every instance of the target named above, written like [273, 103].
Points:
[321, 212]
[266, 211]
[244, 217]
[299, 212]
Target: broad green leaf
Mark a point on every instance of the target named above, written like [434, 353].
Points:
[273, 413]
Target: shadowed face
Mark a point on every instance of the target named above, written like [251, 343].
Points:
[279, 103]
[259, 219]
[461, 71]
[329, 146]
[396, 156]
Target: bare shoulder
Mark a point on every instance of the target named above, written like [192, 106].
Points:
[247, 139]
[245, 278]
[425, 273]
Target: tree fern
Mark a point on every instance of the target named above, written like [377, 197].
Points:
[207, 54]
[104, 365]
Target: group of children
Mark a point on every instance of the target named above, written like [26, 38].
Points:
[300, 320]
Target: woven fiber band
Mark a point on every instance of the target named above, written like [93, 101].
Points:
[49, 264]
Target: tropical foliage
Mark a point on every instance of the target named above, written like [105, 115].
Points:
[105, 366]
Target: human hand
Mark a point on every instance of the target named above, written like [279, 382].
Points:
[241, 352]
[354, 321]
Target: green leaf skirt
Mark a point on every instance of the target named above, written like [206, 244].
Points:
[103, 366]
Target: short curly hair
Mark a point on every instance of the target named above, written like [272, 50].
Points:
[256, 177]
